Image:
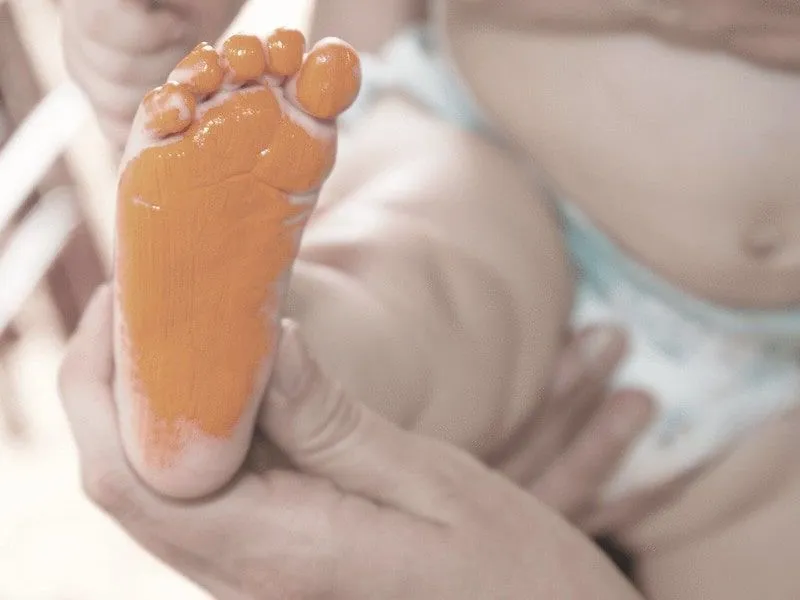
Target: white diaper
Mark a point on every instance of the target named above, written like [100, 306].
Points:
[715, 372]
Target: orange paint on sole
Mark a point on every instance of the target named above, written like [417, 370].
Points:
[202, 241]
[207, 232]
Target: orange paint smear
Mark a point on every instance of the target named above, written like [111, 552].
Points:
[205, 230]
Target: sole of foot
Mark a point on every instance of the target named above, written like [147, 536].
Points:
[221, 172]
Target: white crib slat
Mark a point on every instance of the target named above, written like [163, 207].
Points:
[32, 248]
[36, 144]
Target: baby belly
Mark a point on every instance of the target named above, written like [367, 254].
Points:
[685, 158]
[685, 163]
[745, 255]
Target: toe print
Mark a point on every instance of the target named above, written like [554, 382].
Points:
[201, 71]
[285, 48]
[222, 172]
[244, 57]
[168, 109]
[328, 80]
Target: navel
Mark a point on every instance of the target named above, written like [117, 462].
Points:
[763, 239]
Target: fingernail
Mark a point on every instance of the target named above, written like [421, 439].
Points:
[593, 347]
[291, 372]
[624, 425]
[634, 412]
[597, 343]
[566, 377]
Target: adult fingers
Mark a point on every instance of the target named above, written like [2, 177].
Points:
[603, 520]
[592, 352]
[85, 385]
[577, 477]
[579, 389]
[615, 516]
[209, 540]
[278, 521]
[582, 375]
[328, 434]
[85, 381]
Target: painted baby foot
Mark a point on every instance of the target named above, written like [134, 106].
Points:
[218, 180]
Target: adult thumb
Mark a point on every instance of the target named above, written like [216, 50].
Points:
[325, 433]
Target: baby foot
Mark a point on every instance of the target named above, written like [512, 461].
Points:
[220, 174]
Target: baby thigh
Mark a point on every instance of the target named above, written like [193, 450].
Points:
[433, 281]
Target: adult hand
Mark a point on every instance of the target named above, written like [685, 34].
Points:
[375, 513]
[580, 432]
[117, 50]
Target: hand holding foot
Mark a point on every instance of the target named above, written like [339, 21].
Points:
[379, 513]
[219, 177]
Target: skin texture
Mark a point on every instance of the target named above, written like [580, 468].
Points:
[617, 80]
[759, 30]
[576, 429]
[209, 222]
[627, 109]
[567, 443]
[457, 529]
[713, 57]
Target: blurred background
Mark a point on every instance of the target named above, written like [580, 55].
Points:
[57, 196]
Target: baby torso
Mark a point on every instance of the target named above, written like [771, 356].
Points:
[685, 157]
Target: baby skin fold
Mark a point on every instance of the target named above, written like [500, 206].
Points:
[220, 174]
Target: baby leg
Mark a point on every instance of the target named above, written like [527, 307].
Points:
[433, 284]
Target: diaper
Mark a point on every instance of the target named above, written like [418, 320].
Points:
[715, 372]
